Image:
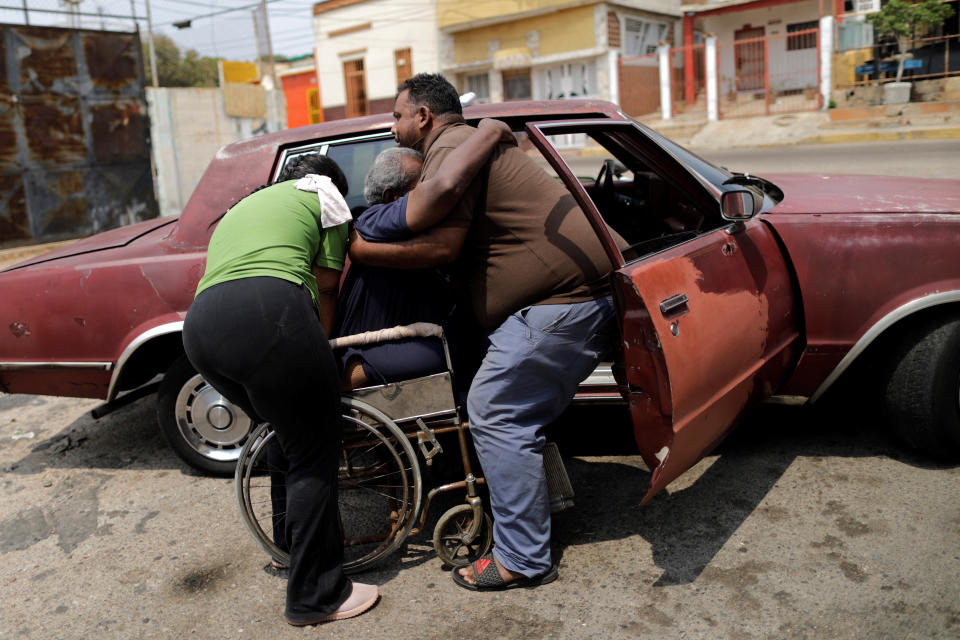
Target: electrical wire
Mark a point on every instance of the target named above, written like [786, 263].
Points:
[288, 37]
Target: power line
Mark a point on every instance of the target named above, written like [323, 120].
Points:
[293, 37]
[217, 13]
[192, 3]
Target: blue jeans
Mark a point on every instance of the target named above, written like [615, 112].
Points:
[529, 375]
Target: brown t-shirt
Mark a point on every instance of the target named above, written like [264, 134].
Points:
[531, 245]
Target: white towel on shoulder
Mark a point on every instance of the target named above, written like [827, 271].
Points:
[333, 208]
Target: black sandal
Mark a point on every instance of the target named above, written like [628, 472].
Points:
[488, 577]
[277, 570]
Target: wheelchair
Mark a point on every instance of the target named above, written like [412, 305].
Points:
[388, 429]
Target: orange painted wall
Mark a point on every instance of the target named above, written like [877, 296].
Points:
[295, 88]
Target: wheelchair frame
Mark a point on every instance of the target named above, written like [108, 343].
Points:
[380, 472]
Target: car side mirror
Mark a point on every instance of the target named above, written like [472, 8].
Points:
[740, 204]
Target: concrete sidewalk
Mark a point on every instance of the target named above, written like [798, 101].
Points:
[911, 121]
[9, 257]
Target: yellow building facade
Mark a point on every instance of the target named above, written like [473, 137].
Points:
[547, 49]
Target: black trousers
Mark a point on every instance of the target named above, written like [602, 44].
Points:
[260, 343]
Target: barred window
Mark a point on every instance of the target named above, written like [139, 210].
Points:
[641, 36]
[313, 106]
[806, 40]
[479, 84]
[401, 61]
[356, 84]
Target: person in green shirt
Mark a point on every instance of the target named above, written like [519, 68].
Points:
[257, 332]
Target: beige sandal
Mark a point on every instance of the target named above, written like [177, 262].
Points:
[361, 599]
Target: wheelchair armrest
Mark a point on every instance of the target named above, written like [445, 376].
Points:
[415, 330]
[401, 332]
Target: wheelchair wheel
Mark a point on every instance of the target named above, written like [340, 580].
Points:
[448, 536]
[380, 487]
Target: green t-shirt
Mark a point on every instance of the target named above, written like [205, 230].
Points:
[274, 232]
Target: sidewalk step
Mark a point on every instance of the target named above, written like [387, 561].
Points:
[893, 122]
[877, 134]
[910, 110]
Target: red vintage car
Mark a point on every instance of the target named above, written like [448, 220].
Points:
[735, 287]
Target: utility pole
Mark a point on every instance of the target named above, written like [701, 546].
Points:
[153, 52]
[263, 29]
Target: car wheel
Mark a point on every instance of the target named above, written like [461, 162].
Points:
[922, 395]
[205, 429]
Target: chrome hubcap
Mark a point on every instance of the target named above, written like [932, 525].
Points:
[219, 417]
[211, 424]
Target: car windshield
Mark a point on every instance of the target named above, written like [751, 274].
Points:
[713, 174]
[716, 175]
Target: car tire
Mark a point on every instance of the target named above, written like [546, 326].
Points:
[921, 399]
[204, 429]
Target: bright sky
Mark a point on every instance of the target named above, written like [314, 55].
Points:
[229, 34]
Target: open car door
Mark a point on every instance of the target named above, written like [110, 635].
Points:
[707, 308]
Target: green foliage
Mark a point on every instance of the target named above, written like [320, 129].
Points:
[179, 70]
[901, 19]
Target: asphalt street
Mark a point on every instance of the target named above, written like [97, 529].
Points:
[801, 525]
[917, 158]
[807, 522]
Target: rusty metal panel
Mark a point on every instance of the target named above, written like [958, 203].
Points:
[4, 85]
[46, 59]
[13, 209]
[120, 131]
[53, 126]
[113, 62]
[56, 201]
[74, 134]
[9, 152]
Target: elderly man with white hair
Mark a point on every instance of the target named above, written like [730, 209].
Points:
[374, 298]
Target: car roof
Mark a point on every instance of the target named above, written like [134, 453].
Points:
[520, 110]
[240, 167]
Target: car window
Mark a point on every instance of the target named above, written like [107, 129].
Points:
[354, 156]
[355, 159]
[649, 205]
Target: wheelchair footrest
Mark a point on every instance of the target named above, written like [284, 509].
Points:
[558, 482]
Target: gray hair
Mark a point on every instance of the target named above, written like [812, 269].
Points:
[387, 172]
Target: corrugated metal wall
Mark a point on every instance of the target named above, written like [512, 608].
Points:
[74, 134]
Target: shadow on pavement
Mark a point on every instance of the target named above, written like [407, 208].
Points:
[126, 439]
[687, 526]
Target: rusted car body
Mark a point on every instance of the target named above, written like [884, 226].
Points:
[734, 289]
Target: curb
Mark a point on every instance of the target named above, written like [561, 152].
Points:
[886, 135]
[943, 133]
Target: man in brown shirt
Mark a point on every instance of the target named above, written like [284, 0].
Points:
[537, 278]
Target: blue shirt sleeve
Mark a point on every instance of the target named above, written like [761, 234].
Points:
[384, 222]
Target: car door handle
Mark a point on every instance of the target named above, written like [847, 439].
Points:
[675, 306]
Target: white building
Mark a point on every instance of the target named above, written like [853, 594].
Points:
[365, 48]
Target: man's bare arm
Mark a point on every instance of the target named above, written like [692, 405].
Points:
[433, 199]
[434, 247]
